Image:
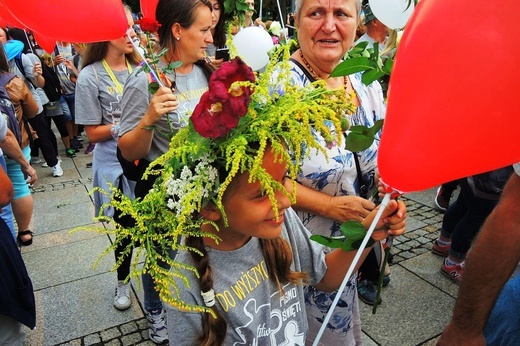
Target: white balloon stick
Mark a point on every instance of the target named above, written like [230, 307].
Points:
[384, 203]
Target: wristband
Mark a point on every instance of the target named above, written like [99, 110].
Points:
[114, 130]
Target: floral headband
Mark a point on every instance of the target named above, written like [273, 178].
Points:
[234, 122]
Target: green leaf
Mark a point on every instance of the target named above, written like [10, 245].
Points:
[153, 87]
[351, 66]
[334, 243]
[175, 64]
[361, 137]
[372, 75]
[357, 243]
[353, 230]
[389, 64]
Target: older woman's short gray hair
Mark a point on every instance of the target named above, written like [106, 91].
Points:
[299, 3]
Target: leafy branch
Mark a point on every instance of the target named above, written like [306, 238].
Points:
[364, 59]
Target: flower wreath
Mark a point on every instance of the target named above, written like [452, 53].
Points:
[238, 109]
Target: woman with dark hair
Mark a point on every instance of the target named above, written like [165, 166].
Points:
[218, 31]
[106, 66]
[146, 118]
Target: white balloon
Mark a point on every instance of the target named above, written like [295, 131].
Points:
[252, 44]
[392, 13]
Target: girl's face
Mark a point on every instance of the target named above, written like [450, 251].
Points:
[123, 44]
[192, 41]
[216, 13]
[249, 212]
[326, 29]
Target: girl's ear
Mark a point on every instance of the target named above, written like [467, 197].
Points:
[210, 212]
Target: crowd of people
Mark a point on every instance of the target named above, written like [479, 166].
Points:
[97, 90]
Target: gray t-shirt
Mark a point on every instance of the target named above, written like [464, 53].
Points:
[97, 99]
[136, 99]
[255, 311]
[63, 72]
[28, 65]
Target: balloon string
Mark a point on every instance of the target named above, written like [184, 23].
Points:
[152, 71]
[384, 203]
[281, 16]
[28, 41]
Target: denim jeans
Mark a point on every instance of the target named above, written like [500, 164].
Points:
[7, 212]
[151, 296]
[463, 219]
[69, 106]
[503, 326]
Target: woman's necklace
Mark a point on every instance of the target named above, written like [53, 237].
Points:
[315, 75]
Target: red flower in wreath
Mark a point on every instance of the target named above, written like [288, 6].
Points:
[222, 79]
[149, 24]
[220, 108]
[213, 119]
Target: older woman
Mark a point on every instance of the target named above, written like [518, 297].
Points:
[329, 190]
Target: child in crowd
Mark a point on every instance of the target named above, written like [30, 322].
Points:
[253, 277]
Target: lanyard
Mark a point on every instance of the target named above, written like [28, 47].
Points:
[118, 85]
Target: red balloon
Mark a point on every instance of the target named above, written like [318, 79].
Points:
[47, 44]
[71, 21]
[7, 18]
[148, 8]
[453, 95]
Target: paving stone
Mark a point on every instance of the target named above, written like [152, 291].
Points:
[131, 339]
[110, 334]
[129, 328]
[92, 339]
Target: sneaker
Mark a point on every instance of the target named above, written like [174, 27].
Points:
[122, 299]
[44, 164]
[442, 199]
[90, 148]
[454, 272]
[386, 280]
[76, 145]
[367, 292]
[35, 159]
[440, 250]
[157, 330]
[71, 153]
[57, 171]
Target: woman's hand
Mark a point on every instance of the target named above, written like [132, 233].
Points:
[37, 69]
[163, 101]
[348, 208]
[215, 63]
[392, 222]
